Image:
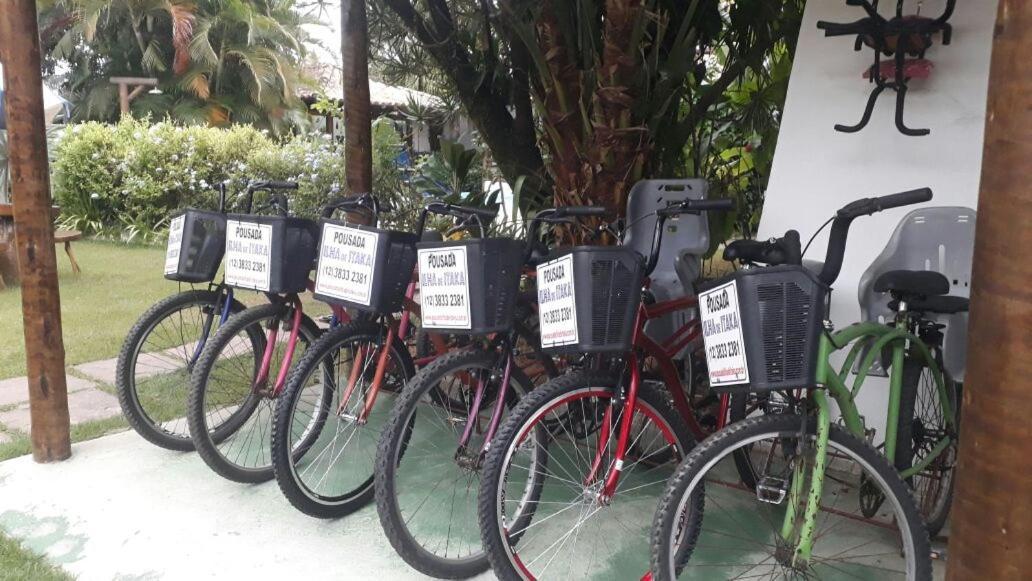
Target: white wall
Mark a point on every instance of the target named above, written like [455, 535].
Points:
[817, 169]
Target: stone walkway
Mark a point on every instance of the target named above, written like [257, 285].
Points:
[90, 389]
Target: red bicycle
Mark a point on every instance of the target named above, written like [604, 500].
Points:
[554, 502]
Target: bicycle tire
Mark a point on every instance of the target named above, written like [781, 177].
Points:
[393, 445]
[934, 507]
[538, 402]
[298, 493]
[207, 441]
[129, 398]
[710, 451]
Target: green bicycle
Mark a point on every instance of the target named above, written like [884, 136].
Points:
[826, 503]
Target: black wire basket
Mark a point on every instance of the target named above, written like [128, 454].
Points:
[196, 242]
[762, 328]
[469, 287]
[363, 267]
[588, 297]
[272, 254]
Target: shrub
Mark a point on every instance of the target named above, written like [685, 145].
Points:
[126, 179]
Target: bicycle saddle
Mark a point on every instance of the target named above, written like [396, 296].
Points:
[912, 283]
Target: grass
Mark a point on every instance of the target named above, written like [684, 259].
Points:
[20, 444]
[18, 563]
[118, 282]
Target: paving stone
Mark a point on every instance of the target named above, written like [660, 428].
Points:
[16, 390]
[147, 365]
[83, 405]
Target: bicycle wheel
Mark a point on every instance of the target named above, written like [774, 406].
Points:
[230, 417]
[922, 424]
[540, 510]
[322, 455]
[153, 373]
[737, 533]
[426, 485]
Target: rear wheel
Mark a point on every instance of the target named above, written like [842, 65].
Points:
[922, 424]
[737, 533]
[159, 353]
[541, 512]
[426, 485]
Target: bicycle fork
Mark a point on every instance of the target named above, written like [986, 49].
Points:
[261, 381]
[798, 535]
[612, 477]
[461, 455]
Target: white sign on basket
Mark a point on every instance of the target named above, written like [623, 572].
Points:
[347, 261]
[175, 244]
[248, 254]
[721, 320]
[557, 304]
[444, 288]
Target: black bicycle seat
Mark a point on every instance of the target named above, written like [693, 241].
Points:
[943, 305]
[912, 283]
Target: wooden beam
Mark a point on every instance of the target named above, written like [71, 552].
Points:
[30, 187]
[358, 141]
[991, 528]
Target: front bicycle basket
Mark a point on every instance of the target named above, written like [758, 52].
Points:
[588, 297]
[196, 242]
[363, 267]
[469, 287]
[761, 328]
[272, 254]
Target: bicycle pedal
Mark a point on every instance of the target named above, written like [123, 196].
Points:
[771, 490]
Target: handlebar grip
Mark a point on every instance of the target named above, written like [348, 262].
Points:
[344, 202]
[715, 205]
[274, 185]
[483, 213]
[580, 211]
[904, 198]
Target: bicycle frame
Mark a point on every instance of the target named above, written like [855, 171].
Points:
[663, 353]
[227, 293]
[875, 336]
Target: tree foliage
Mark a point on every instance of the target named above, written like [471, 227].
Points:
[584, 97]
[217, 61]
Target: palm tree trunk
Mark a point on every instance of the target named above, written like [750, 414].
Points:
[358, 150]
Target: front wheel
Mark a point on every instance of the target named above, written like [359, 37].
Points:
[541, 510]
[153, 373]
[323, 451]
[426, 483]
[740, 533]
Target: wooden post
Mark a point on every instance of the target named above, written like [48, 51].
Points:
[125, 97]
[358, 140]
[30, 186]
[991, 529]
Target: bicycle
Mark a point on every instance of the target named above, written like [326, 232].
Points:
[440, 428]
[598, 434]
[797, 521]
[333, 475]
[233, 384]
[159, 353]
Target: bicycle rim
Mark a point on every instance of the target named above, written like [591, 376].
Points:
[161, 363]
[335, 453]
[735, 535]
[560, 527]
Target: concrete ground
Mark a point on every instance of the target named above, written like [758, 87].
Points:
[124, 509]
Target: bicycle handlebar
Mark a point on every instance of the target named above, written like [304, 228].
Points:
[278, 198]
[358, 202]
[864, 207]
[677, 208]
[555, 215]
[460, 212]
